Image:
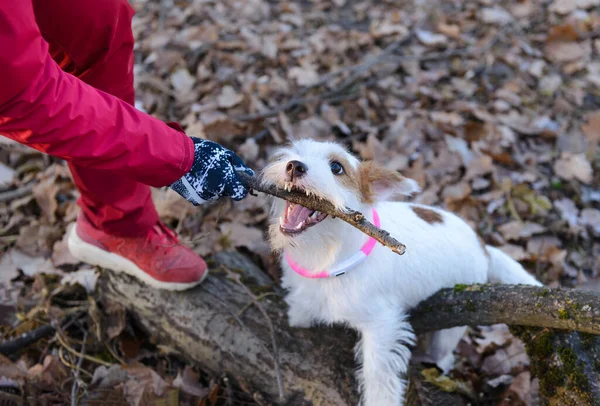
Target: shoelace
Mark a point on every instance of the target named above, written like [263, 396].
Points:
[162, 235]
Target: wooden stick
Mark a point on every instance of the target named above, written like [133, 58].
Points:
[352, 217]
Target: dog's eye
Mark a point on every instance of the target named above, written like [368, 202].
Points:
[336, 168]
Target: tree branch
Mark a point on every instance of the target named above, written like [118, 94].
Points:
[352, 217]
[318, 363]
[509, 304]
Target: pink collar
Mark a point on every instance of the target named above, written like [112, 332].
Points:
[344, 266]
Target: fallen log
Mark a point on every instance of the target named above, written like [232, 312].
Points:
[226, 326]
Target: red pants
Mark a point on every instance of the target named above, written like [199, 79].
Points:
[93, 40]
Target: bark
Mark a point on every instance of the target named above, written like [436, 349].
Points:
[563, 309]
[218, 326]
[566, 363]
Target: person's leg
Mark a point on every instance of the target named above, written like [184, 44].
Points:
[118, 228]
[93, 40]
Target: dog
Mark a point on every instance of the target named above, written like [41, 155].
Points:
[333, 273]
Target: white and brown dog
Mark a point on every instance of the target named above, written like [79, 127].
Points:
[336, 274]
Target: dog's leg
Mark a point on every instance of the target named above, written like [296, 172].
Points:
[504, 269]
[299, 314]
[385, 352]
[441, 347]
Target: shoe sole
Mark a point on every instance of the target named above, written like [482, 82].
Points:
[90, 254]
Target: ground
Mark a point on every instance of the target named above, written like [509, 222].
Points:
[492, 106]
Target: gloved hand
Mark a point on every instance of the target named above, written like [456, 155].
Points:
[212, 175]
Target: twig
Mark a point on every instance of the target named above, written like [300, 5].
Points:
[255, 300]
[76, 380]
[16, 193]
[68, 364]
[228, 391]
[352, 217]
[259, 298]
[64, 343]
[26, 339]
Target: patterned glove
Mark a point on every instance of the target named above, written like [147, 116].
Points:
[212, 175]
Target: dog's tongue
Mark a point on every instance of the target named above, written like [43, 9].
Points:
[295, 215]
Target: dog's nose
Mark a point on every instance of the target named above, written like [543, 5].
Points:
[295, 169]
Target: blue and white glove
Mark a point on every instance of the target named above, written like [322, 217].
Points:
[212, 175]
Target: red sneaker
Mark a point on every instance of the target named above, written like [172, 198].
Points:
[158, 258]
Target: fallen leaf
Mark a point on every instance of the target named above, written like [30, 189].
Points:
[386, 28]
[217, 125]
[431, 39]
[563, 6]
[169, 204]
[456, 192]
[543, 246]
[304, 75]
[479, 166]
[567, 209]
[49, 374]
[516, 252]
[520, 388]
[591, 218]
[433, 376]
[506, 360]
[116, 319]
[87, 278]
[449, 118]
[548, 85]
[45, 196]
[60, 252]
[591, 128]
[6, 175]
[182, 81]
[492, 337]
[586, 4]
[188, 381]
[516, 230]
[451, 30]
[243, 236]
[15, 260]
[142, 381]
[562, 52]
[249, 150]
[229, 98]
[495, 15]
[565, 32]
[502, 380]
[573, 166]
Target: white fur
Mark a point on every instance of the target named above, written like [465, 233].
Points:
[375, 297]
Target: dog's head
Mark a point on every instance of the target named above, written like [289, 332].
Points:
[329, 171]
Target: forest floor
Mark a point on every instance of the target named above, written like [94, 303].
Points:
[492, 106]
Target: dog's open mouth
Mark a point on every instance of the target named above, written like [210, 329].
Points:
[297, 218]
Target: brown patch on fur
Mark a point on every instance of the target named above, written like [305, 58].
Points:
[371, 174]
[349, 179]
[428, 215]
[482, 243]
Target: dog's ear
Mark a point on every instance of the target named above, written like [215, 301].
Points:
[379, 184]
